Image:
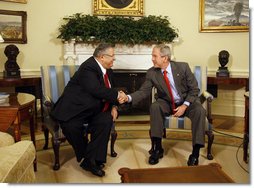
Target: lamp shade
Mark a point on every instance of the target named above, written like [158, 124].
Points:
[1, 39]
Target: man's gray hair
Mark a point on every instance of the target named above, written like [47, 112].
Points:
[164, 50]
[102, 48]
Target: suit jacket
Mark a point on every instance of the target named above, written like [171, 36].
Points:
[185, 81]
[85, 92]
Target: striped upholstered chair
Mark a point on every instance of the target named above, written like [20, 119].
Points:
[184, 122]
[54, 79]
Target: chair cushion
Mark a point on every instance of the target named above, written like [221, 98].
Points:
[17, 162]
[182, 123]
[6, 139]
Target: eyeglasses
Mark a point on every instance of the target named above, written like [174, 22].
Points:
[109, 55]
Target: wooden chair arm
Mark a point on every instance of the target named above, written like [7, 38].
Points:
[50, 123]
[208, 97]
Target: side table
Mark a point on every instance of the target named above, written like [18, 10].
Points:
[21, 107]
[25, 84]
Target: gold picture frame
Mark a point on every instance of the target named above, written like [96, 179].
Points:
[117, 7]
[13, 26]
[16, 1]
[221, 16]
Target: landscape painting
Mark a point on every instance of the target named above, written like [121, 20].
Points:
[224, 15]
[13, 26]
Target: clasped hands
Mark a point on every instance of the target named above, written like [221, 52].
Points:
[122, 97]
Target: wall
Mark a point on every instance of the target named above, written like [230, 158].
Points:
[44, 18]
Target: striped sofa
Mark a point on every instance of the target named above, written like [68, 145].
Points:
[54, 79]
[184, 122]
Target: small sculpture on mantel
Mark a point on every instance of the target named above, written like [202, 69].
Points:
[223, 59]
[12, 69]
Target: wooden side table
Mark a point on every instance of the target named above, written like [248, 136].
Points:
[25, 84]
[213, 80]
[211, 173]
[246, 128]
[21, 107]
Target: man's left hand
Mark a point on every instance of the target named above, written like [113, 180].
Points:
[180, 110]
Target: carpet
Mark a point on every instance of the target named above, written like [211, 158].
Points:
[133, 153]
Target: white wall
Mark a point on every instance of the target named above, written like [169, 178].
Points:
[45, 16]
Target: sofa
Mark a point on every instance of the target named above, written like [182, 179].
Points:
[16, 160]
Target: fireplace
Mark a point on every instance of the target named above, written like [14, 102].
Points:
[129, 81]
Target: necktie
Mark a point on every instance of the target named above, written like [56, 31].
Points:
[106, 81]
[169, 89]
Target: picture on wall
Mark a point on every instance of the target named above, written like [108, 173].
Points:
[118, 7]
[224, 16]
[16, 1]
[13, 26]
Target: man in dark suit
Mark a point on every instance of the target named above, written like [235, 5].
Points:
[179, 97]
[89, 99]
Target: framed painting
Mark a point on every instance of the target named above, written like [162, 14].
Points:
[13, 26]
[116, 7]
[16, 1]
[224, 16]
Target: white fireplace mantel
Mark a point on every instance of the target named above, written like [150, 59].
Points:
[134, 57]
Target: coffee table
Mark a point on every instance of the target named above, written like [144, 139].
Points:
[211, 173]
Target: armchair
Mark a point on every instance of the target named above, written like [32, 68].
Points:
[16, 160]
[54, 79]
[184, 122]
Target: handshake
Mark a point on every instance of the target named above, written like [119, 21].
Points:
[122, 97]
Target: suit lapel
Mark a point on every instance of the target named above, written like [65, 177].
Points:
[97, 68]
[176, 76]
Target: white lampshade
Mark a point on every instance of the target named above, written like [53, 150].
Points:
[1, 39]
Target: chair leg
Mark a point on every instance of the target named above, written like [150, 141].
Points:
[56, 146]
[210, 136]
[46, 136]
[164, 133]
[112, 143]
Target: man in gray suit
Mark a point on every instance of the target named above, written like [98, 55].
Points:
[178, 98]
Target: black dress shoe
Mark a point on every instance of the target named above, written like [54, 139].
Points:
[100, 164]
[192, 161]
[155, 156]
[92, 167]
[79, 159]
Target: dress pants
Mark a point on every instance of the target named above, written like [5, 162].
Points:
[196, 112]
[99, 126]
